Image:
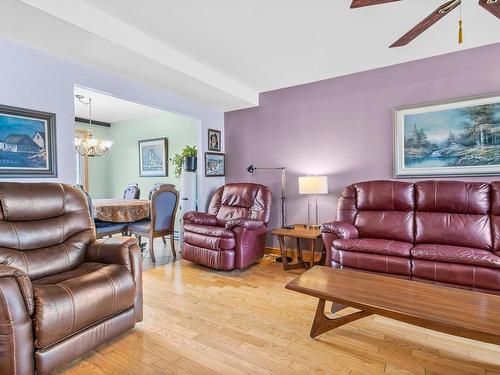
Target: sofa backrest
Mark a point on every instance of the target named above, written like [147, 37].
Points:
[379, 209]
[246, 200]
[453, 213]
[495, 215]
[45, 228]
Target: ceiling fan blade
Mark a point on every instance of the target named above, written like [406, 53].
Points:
[430, 20]
[365, 3]
[492, 6]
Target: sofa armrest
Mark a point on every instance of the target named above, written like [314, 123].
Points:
[251, 224]
[201, 218]
[16, 330]
[341, 229]
[124, 251]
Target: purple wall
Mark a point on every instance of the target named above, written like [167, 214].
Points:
[342, 127]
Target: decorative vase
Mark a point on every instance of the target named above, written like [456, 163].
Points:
[190, 163]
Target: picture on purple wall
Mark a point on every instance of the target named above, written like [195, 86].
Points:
[27, 143]
[453, 138]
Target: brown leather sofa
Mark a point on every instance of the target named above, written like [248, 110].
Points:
[62, 292]
[233, 232]
[445, 232]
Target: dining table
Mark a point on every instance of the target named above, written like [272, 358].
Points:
[121, 210]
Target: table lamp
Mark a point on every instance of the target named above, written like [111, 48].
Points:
[313, 186]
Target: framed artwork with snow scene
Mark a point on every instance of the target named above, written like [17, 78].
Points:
[153, 156]
[459, 137]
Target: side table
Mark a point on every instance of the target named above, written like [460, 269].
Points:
[299, 232]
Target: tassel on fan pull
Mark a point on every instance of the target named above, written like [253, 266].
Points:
[460, 29]
[460, 33]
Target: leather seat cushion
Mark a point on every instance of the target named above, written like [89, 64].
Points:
[374, 246]
[209, 242]
[456, 254]
[372, 262]
[70, 301]
[208, 230]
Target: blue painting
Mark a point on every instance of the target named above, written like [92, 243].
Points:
[464, 140]
[23, 143]
[153, 154]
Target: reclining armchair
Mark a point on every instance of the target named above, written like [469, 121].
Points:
[62, 291]
[233, 232]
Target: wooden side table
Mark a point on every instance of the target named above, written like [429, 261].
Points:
[300, 231]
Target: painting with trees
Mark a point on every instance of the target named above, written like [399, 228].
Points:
[452, 138]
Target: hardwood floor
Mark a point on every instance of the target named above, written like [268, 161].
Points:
[198, 321]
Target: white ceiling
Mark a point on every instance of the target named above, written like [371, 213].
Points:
[110, 109]
[224, 52]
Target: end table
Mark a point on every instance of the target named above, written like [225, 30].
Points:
[299, 232]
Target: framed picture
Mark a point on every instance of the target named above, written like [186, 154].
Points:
[153, 156]
[27, 143]
[459, 137]
[214, 140]
[215, 164]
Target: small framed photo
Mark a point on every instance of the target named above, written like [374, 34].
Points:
[214, 140]
[27, 143]
[153, 156]
[215, 164]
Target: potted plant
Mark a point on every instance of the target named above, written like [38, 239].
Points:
[186, 160]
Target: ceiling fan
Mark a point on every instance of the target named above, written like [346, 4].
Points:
[492, 6]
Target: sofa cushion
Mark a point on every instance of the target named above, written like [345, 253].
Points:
[374, 246]
[372, 262]
[70, 301]
[456, 254]
[453, 213]
[209, 230]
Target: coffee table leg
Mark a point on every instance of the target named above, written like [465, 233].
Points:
[322, 323]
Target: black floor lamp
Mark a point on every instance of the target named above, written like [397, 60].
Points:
[251, 169]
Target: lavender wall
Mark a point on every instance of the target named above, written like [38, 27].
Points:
[36, 80]
[342, 127]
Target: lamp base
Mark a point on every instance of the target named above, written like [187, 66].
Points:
[280, 259]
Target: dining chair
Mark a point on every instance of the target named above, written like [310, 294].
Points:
[132, 191]
[104, 228]
[154, 188]
[164, 204]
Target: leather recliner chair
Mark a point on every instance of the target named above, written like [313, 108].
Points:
[233, 232]
[62, 291]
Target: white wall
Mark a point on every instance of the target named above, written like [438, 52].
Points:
[36, 80]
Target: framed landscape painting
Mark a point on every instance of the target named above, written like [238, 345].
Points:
[215, 164]
[153, 156]
[27, 143]
[453, 138]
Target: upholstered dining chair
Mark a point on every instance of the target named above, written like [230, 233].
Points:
[132, 191]
[104, 228]
[154, 188]
[233, 232]
[164, 204]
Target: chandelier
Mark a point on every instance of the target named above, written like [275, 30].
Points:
[90, 146]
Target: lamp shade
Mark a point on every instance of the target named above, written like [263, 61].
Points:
[313, 185]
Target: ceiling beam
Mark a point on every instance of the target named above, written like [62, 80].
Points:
[83, 15]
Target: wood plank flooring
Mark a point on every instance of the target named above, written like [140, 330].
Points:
[198, 321]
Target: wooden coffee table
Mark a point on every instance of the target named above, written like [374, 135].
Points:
[300, 231]
[458, 312]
